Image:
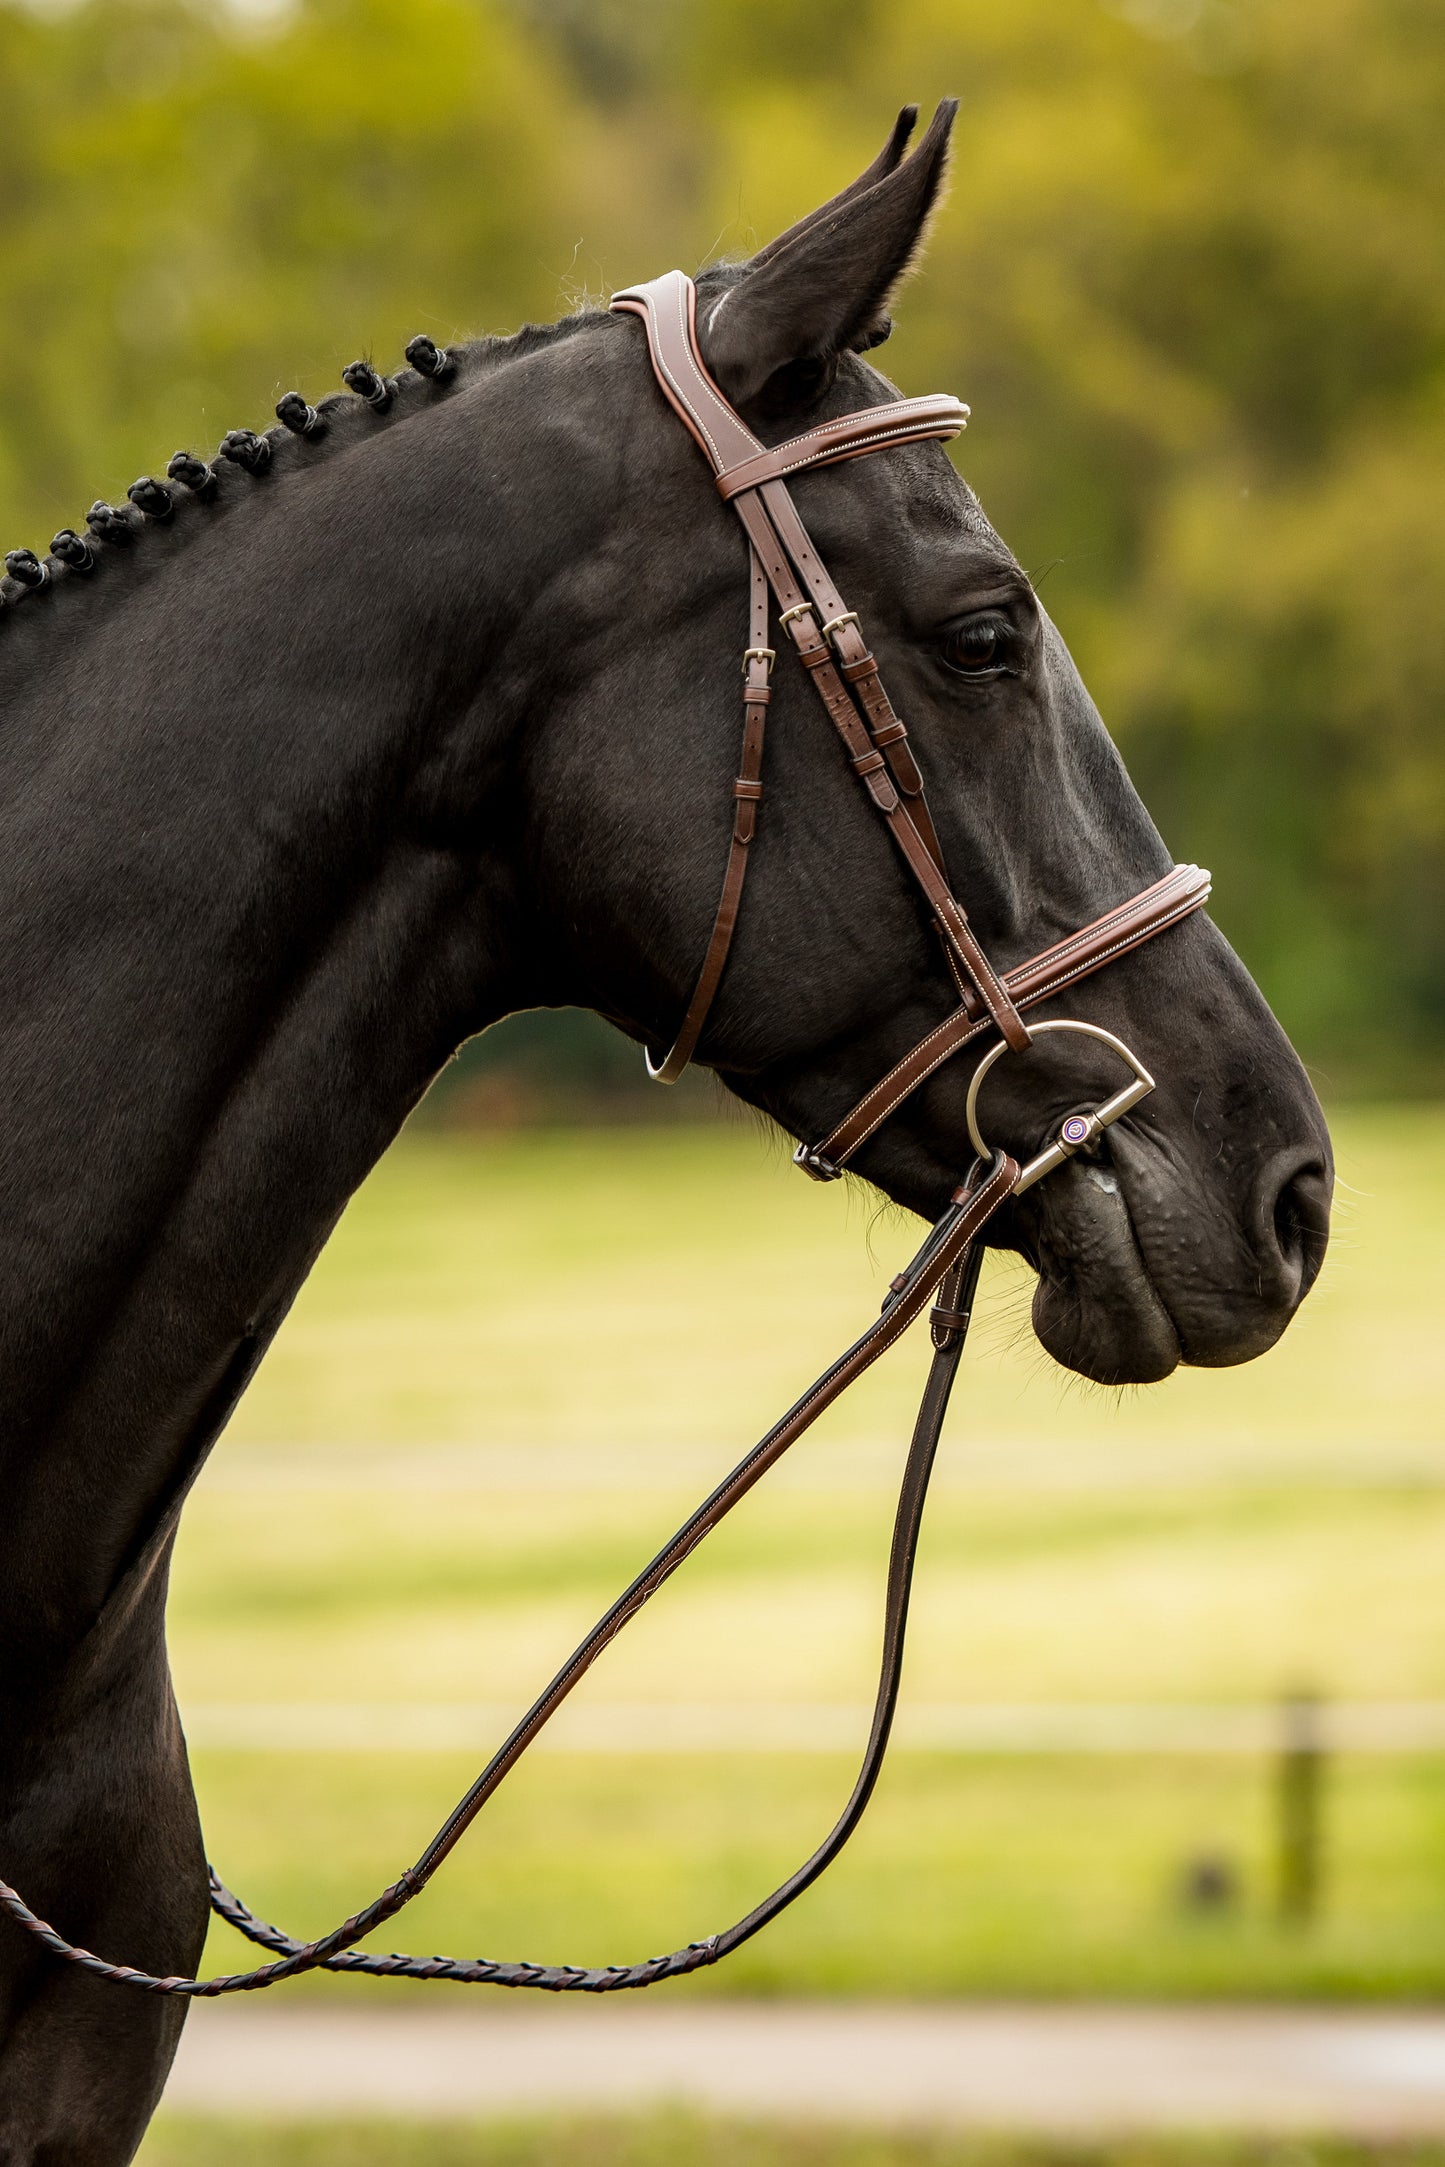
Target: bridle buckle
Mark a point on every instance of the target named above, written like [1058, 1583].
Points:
[1076, 1130]
[813, 1163]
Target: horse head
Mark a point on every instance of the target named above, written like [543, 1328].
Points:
[1195, 1228]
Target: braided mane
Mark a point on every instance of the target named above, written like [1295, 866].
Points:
[112, 540]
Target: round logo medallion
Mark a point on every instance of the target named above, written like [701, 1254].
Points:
[1076, 1128]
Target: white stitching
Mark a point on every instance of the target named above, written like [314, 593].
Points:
[930, 399]
[932, 1069]
[707, 390]
[939, 1030]
[858, 443]
[682, 328]
[660, 362]
[1103, 926]
[819, 453]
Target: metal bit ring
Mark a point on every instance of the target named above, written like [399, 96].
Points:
[1078, 1129]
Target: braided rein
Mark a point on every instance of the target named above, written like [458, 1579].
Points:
[947, 1263]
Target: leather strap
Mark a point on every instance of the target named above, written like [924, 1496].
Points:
[749, 477]
[948, 1260]
[949, 1319]
[1182, 891]
[668, 308]
[747, 796]
[801, 614]
[906, 421]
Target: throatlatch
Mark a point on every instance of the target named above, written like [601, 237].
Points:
[829, 643]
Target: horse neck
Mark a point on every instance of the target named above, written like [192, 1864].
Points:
[241, 925]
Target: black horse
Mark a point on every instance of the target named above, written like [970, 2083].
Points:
[423, 710]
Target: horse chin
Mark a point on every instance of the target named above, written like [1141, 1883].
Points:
[1095, 1308]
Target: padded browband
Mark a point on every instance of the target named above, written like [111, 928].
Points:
[907, 421]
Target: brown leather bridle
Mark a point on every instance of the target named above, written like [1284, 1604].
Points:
[826, 635]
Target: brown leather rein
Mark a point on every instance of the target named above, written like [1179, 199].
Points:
[783, 566]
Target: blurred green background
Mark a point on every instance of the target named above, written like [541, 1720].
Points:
[522, 1358]
[665, 2140]
[1191, 279]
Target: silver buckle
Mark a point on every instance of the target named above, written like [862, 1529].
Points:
[1077, 1130]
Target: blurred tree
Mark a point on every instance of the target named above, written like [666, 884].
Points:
[1190, 280]
[196, 203]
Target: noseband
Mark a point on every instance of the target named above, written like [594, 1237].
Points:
[783, 567]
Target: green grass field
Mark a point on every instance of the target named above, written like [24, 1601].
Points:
[521, 1359]
[665, 2140]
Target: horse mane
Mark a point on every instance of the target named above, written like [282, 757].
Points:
[114, 546]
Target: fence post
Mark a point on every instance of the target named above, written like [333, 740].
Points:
[1301, 1770]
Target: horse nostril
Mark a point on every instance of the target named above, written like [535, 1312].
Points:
[1294, 1221]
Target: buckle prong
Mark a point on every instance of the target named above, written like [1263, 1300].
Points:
[812, 1161]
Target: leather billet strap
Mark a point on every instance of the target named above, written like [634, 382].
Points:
[824, 631]
[1182, 891]
[747, 794]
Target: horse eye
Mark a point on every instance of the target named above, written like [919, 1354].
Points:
[979, 648]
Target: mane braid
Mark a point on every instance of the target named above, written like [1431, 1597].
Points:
[115, 538]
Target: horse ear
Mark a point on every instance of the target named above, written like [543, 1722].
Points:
[773, 340]
[888, 159]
